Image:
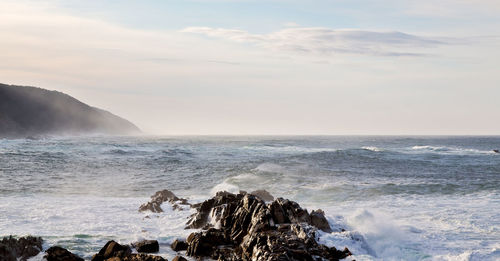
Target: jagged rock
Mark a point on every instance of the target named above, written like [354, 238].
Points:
[179, 245]
[318, 220]
[289, 211]
[179, 258]
[147, 246]
[163, 196]
[200, 219]
[56, 253]
[22, 248]
[263, 194]
[246, 228]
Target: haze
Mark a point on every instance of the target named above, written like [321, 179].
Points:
[265, 67]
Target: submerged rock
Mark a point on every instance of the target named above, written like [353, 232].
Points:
[56, 253]
[20, 249]
[243, 227]
[113, 251]
[163, 196]
[147, 246]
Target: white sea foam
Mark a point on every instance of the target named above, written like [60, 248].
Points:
[450, 150]
[78, 222]
[225, 186]
[372, 148]
[434, 228]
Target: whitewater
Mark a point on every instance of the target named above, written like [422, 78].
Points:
[386, 198]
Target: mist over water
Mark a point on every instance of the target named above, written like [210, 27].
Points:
[397, 198]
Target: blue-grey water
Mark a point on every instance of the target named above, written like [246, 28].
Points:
[398, 198]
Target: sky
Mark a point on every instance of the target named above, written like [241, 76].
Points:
[277, 67]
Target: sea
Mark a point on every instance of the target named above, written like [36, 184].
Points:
[386, 197]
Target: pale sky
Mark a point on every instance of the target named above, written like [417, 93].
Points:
[265, 67]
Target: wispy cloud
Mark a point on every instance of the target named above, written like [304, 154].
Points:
[322, 41]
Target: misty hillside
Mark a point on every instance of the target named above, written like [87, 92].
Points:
[31, 111]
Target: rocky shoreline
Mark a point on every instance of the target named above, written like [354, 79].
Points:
[243, 226]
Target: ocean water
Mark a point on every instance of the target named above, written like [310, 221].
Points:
[397, 198]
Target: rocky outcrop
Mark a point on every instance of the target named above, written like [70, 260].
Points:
[243, 227]
[147, 246]
[20, 249]
[113, 251]
[56, 253]
[159, 198]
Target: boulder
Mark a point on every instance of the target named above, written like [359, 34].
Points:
[112, 249]
[22, 248]
[163, 196]
[56, 253]
[179, 258]
[147, 246]
[179, 245]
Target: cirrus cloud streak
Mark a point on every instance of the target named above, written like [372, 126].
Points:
[318, 40]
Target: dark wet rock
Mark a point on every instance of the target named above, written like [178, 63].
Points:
[147, 246]
[318, 220]
[243, 227]
[6, 254]
[163, 196]
[263, 194]
[22, 248]
[56, 253]
[204, 209]
[113, 251]
[286, 211]
[179, 245]
[179, 258]
[206, 243]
